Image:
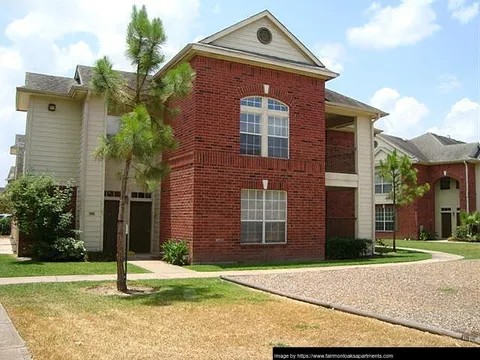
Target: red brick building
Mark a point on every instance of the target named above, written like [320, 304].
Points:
[268, 165]
[451, 167]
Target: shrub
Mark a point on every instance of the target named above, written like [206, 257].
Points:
[5, 224]
[62, 249]
[426, 235]
[175, 252]
[346, 248]
[452, 238]
[42, 210]
[462, 232]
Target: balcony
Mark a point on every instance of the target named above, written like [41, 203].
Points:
[340, 159]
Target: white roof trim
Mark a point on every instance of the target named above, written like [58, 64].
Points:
[220, 52]
[267, 14]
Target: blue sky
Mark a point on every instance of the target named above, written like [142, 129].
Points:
[416, 59]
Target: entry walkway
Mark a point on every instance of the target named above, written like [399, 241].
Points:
[161, 270]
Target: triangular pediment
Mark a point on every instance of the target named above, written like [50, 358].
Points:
[283, 44]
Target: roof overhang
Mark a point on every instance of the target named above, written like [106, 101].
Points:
[194, 49]
[350, 110]
[23, 94]
[457, 161]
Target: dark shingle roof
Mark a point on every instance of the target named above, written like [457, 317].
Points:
[404, 145]
[86, 74]
[446, 140]
[435, 148]
[332, 96]
[50, 83]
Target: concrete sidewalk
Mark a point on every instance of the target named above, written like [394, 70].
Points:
[12, 346]
[162, 270]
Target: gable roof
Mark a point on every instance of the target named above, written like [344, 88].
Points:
[404, 145]
[433, 148]
[265, 14]
[337, 98]
[48, 83]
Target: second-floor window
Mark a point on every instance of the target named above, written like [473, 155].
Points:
[264, 124]
[382, 186]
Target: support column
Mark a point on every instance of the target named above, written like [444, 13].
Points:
[364, 199]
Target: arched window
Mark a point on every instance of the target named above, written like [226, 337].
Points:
[264, 126]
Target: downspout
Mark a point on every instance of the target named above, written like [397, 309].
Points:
[466, 187]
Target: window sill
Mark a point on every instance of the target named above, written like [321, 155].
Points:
[269, 243]
[264, 157]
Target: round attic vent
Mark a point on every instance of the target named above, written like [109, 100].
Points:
[264, 35]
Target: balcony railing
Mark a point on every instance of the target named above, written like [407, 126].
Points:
[340, 227]
[340, 159]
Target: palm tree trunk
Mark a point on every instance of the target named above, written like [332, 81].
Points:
[121, 275]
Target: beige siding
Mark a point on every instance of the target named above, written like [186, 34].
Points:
[92, 174]
[365, 170]
[446, 199]
[341, 180]
[245, 39]
[477, 185]
[53, 138]
[112, 177]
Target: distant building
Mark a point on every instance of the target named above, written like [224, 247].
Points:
[451, 167]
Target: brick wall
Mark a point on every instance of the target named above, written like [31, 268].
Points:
[422, 211]
[209, 151]
[340, 212]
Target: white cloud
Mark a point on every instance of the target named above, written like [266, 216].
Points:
[448, 83]
[405, 112]
[217, 9]
[68, 57]
[461, 122]
[40, 42]
[332, 55]
[10, 59]
[391, 26]
[463, 12]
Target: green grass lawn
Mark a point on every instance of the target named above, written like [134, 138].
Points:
[222, 320]
[467, 250]
[400, 256]
[10, 266]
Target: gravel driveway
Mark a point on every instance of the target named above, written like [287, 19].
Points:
[444, 294]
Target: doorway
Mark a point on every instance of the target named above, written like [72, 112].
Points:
[110, 226]
[140, 226]
[446, 217]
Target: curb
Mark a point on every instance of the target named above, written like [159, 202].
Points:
[408, 323]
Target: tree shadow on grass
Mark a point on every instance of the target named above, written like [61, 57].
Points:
[169, 294]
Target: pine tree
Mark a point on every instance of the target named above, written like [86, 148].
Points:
[144, 101]
[399, 171]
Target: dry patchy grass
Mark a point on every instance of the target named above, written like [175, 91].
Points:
[194, 319]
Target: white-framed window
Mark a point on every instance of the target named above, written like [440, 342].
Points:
[264, 127]
[264, 216]
[382, 186]
[384, 218]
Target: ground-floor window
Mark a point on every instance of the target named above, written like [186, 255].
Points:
[384, 218]
[264, 216]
